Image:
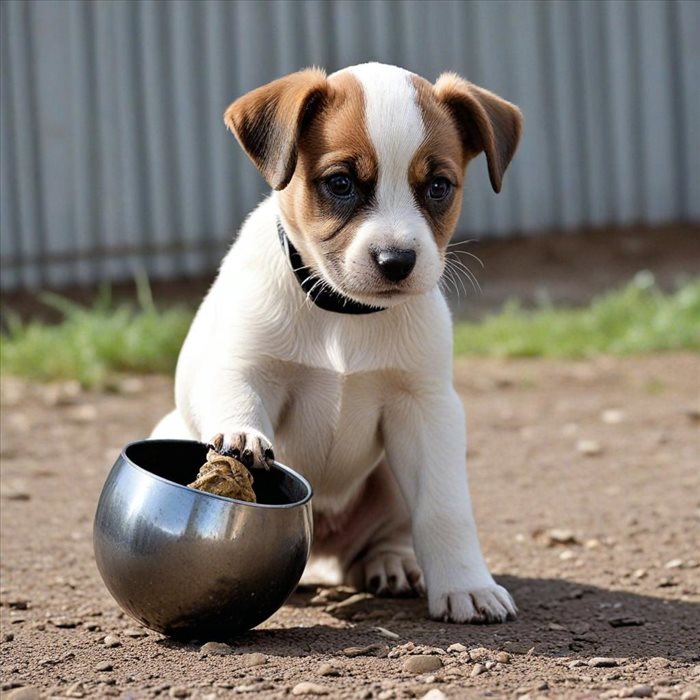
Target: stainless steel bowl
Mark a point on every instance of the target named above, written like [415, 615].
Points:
[191, 564]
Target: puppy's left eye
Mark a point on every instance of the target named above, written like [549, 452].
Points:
[439, 188]
[341, 186]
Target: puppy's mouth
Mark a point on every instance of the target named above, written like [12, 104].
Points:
[364, 289]
[377, 296]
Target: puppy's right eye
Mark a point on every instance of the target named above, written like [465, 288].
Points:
[340, 186]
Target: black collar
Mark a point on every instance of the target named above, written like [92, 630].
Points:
[320, 293]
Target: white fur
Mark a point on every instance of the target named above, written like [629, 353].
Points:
[346, 399]
[395, 126]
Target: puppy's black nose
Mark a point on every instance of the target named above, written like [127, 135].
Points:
[395, 264]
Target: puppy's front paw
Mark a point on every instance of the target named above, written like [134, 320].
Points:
[480, 604]
[249, 447]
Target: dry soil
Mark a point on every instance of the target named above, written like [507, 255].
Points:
[586, 483]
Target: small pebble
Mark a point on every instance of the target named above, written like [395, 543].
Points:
[179, 691]
[422, 663]
[560, 536]
[76, 690]
[29, 692]
[17, 604]
[306, 688]
[369, 650]
[673, 564]
[110, 641]
[479, 654]
[104, 666]
[387, 633]
[64, 623]
[8, 637]
[642, 691]
[478, 670]
[86, 413]
[130, 385]
[589, 448]
[328, 670]
[16, 493]
[624, 621]
[215, 649]
[689, 695]
[134, 633]
[612, 416]
[503, 657]
[434, 694]
[252, 660]
[602, 662]
[456, 648]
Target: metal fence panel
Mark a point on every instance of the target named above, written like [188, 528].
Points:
[114, 158]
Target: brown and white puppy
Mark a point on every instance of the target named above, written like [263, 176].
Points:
[368, 168]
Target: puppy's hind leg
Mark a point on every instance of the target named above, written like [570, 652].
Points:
[380, 559]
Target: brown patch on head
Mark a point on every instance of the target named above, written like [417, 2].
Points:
[485, 122]
[269, 121]
[440, 155]
[334, 142]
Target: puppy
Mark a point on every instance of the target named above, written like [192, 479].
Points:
[325, 336]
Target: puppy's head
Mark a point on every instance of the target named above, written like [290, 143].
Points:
[370, 162]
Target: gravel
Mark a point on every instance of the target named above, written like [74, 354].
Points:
[48, 561]
[477, 670]
[111, 642]
[306, 688]
[328, 670]
[422, 663]
[369, 650]
[252, 660]
[29, 692]
[215, 649]
[602, 662]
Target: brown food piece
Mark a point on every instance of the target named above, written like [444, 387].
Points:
[225, 476]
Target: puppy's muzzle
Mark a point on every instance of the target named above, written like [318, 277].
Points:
[394, 264]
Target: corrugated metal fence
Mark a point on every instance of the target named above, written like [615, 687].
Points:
[115, 158]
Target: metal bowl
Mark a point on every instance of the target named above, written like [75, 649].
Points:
[191, 564]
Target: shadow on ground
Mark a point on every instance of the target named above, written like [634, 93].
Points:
[557, 618]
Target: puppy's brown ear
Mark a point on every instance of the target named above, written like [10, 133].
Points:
[269, 120]
[485, 122]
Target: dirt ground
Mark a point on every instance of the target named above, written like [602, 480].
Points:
[586, 483]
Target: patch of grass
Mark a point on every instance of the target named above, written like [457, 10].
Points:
[94, 344]
[636, 319]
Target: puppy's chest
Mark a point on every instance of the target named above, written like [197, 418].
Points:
[329, 428]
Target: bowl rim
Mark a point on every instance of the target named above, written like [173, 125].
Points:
[276, 506]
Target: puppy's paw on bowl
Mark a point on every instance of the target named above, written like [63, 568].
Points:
[484, 604]
[249, 447]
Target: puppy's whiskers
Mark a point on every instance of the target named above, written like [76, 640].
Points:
[454, 275]
[466, 252]
[458, 266]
